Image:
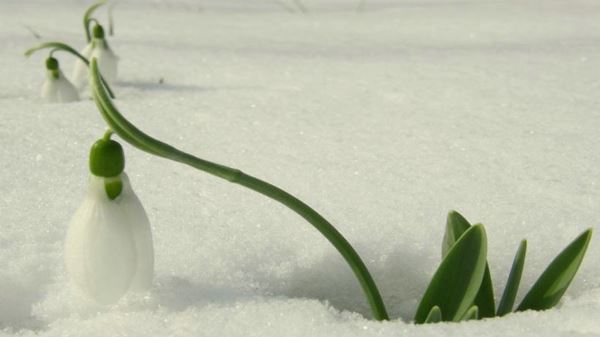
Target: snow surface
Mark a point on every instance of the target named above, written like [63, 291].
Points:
[383, 120]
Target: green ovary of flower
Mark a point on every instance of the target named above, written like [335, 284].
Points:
[107, 160]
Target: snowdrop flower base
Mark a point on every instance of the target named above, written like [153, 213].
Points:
[108, 249]
[57, 88]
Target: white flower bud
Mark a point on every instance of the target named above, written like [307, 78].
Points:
[108, 249]
[57, 88]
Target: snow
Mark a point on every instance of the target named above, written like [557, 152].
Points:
[382, 120]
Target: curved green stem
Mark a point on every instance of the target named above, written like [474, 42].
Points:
[89, 31]
[57, 46]
[107, 134]
[146, 143]
[87, 18]
[65, 47]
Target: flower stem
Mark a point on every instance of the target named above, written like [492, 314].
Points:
[107, 134]
[111, 23]
[146, 143]
[328, 230]
[87, 18]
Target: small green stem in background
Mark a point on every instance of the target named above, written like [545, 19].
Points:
[139, 139]
[111, 23]
[87, 18]
[90, 21]
[56, 46]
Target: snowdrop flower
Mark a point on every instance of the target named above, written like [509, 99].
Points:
[108, 249]
[107, 60]
[57, 88]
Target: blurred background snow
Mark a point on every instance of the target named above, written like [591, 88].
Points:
[383, 119]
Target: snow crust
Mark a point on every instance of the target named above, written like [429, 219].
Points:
[382, 120]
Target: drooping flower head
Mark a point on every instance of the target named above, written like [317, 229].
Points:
[107, 60]
[56, 87]
[108, 249]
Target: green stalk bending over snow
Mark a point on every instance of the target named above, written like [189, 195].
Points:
[121, 126]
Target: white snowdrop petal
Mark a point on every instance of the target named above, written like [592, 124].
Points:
[142, 236]
[59, 90]
[66, 90]
[50, 91]
[80, 70]
[107, 62]
[100, 251]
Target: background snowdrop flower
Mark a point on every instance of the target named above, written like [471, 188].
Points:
[108, 249]
[107, 60]
[56, 87]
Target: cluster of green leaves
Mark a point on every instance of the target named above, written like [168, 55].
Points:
[462, 289]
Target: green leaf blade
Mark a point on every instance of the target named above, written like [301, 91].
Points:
[456, 283]
[554, 281]
[485, 302]
[514, 279]
[456, 225]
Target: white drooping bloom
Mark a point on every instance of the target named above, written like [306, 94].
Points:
[58, 89]
[108, 249]
[107, 60]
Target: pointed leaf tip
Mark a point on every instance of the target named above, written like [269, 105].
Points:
[472, 313]
[456, 225]
[456, 282]
[514, 279]
[434, 316]
[554, 281]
